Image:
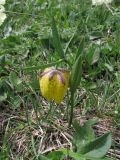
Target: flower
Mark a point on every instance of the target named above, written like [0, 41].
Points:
[2, 14]
[2, 2]
[100, 2]
[54, 84]
[2, 17]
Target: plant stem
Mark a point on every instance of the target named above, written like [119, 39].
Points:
[50, 110]
[71, 109]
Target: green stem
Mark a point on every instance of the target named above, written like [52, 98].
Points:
[71, 109]
[50, 110]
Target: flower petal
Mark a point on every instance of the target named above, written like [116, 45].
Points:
[2, 18]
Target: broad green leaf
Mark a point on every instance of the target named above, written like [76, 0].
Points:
[109, 67]
[3, 92]
[76, 72]
[93, 55]
[42, 158]
[56, 155]
[72, 154]
[14, 79]
[3, 96]
[16, 102]
[83, 134]
[2, 62]
[56, 40]
[96, 35]
[98, 147]
[96, 56]
[104, 159]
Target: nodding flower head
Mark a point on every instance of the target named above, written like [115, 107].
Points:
[54, 84]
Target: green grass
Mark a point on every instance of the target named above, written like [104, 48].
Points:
[27, 47]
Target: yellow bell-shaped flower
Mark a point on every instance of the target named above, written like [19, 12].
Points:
[54, 84]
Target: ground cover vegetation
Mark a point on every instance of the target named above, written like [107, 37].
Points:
[82, 39]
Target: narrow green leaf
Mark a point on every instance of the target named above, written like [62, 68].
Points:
[4, 154]
[56, 40]
[31, 68]
[69, 42]
[98, 147]
[76, 72]
[81, 47]
[33, 145]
